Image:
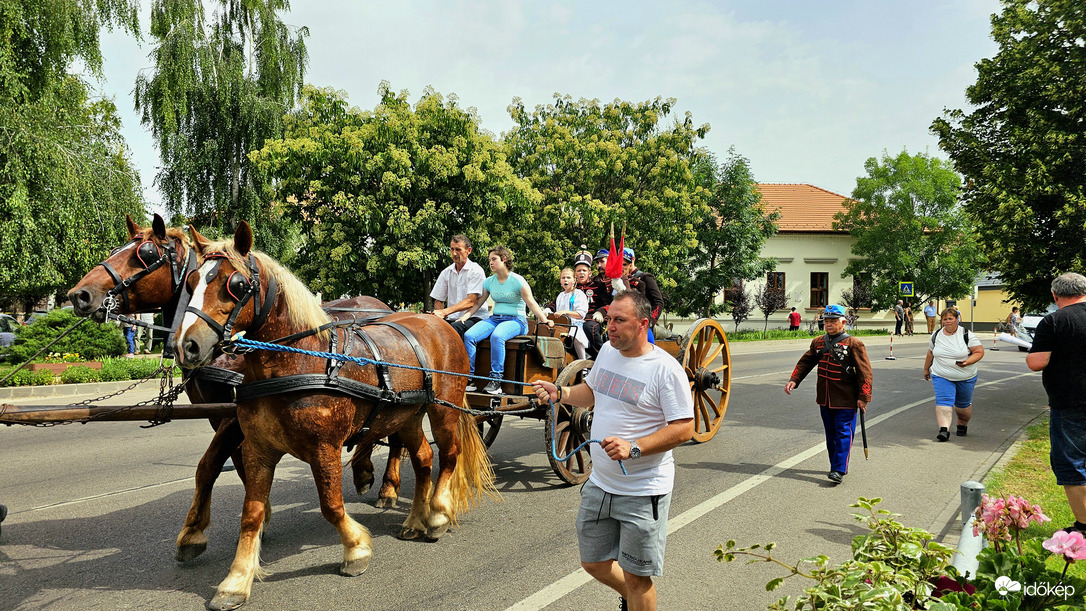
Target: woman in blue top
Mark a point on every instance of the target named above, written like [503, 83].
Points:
[510, 293]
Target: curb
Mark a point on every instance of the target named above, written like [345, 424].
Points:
[61, 390]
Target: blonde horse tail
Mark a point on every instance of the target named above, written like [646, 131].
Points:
[473, 477]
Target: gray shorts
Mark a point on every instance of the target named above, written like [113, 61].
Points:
[629, 529]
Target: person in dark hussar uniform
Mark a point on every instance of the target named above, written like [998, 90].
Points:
[843, 386]
[644, 283]
[598, 290]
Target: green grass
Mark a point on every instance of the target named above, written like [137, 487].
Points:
[777, 334]
[1029, 475]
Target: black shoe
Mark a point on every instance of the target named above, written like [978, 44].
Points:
[835, 476]
[961, 430]
[494, 388]
[1077, 526]
[944, 435]
[622, 604]
[471, 387]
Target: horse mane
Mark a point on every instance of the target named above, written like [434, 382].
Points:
[171, 232]
[303, 306]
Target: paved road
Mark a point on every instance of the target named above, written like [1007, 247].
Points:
[95, 509]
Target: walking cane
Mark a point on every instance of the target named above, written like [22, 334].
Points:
[863, 433]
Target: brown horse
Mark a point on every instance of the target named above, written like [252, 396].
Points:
[313, 424]
[158, 289]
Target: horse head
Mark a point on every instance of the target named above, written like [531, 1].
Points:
[239, 289]
[143, 274]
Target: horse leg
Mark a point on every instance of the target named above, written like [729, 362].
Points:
[422, 459]
[390, 485]
[362, 468]
[443, 426]
[191, 542]
[235, 589]
[328, 475]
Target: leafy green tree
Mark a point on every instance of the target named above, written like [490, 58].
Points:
[65, 177]
[731, 227]
[597, 164]
[379, 193]
[219, 89]
[908, 225]
[1023, 147]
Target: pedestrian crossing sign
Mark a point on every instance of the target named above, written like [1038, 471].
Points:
[905, 288]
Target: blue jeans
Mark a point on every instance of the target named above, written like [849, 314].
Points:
[499, 329]
[130, 339]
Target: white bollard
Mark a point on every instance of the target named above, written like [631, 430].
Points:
[965, 558]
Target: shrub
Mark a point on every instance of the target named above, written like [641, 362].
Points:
[90, 340]
[25, 377]
[80, 375]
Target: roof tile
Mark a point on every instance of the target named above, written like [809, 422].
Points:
[803, 208]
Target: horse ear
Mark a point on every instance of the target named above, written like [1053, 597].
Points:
[159, 227]
[133, 228]
[199, 242]
[243, 238]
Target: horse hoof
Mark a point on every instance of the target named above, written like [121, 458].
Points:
[190, 551]
[409, 534]
[223, 602]
[434, 533]
[386, 502]
[354, 568]
[362, 486]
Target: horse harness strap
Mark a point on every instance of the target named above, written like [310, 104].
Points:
[331, 380]
[251, 291]
[167, 255]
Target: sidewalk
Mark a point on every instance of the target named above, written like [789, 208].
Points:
[68, 390]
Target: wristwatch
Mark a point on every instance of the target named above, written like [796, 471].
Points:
[635, 452]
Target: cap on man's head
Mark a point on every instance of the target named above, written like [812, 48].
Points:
[602, 253]
[627, 254]
[582, 258]
[834, 311]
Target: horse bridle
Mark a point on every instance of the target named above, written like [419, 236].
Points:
[241, 290]
[152, 257]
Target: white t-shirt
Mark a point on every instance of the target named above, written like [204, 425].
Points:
[636, 397]
[949, 349]
[453, 287]
[577, 302]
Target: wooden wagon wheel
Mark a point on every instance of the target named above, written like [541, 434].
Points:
[488, 428]
[703, 345]
[569, 427]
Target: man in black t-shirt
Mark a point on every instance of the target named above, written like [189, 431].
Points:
[1059, 351]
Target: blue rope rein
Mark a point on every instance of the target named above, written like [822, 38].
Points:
[239, 340]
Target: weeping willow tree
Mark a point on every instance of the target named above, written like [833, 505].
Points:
[220, 87]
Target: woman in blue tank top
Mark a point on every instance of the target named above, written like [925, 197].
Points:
[510, 293]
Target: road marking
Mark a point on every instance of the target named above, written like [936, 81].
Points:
[578, 578]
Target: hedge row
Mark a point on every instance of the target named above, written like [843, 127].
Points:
[113, 370]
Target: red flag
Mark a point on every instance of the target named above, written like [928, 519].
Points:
[614, 259]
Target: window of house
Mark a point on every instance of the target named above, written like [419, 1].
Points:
[729, 293]
[775, 280]
[820, 289]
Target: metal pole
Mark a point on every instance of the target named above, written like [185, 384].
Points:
[965, 558]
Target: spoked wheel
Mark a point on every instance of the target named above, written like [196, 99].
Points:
[705, 356]
[568, 427]
[488, 428]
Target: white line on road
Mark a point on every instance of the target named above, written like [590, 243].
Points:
[578, 578]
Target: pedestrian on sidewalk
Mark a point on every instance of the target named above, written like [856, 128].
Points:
[899, 316]
[146, 334]
[909, 319]
[793, 320]
[932, 315]
[1059, 351]
[642, 409]
[130, 339]
[843, 387]
[951, 365]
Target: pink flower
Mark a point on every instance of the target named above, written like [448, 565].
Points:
[1071, 545]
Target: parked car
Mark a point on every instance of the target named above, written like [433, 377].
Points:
[7, 330]
[1030, 321]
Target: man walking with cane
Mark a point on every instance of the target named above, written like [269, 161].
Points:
[843, 387]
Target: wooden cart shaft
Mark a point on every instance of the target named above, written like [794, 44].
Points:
[15, 414]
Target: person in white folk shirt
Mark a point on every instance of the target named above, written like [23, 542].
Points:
[642, 409]
[459, 287]
[951, 365]
[573, 304]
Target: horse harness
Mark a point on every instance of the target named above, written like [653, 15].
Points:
[381, 395]
[241, 290]
[152, 257]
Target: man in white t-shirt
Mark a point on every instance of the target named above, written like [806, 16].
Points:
[642, 409]
[459, 287]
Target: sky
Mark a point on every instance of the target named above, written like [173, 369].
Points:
[806, 90]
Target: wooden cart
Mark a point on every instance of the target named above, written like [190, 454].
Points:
[541, 355]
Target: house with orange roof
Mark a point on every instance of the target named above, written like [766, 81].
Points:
[811, 255]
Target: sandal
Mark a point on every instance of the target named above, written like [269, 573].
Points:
[961, 430]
